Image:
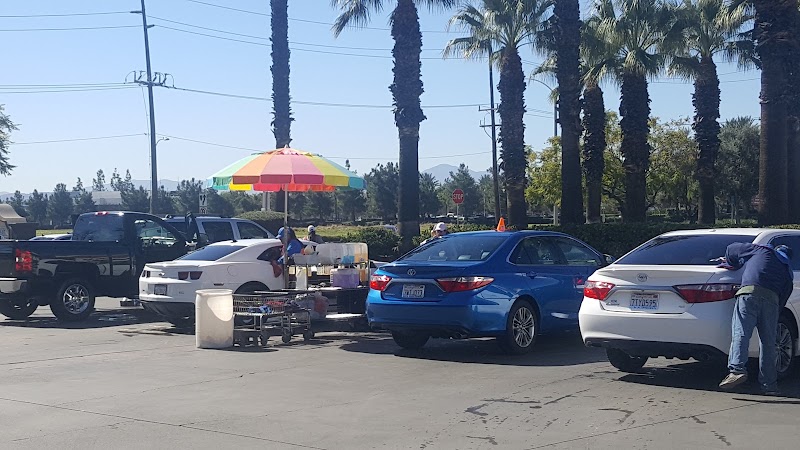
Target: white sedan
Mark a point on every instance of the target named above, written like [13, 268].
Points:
[168, 288]
[668, 298]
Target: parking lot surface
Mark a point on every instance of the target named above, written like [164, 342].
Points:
[125, 380]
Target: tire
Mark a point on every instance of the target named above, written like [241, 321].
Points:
[520, 334]
[786, 347]
[182, 322]
[74, 301]
[410, 340]
[286, 338]
[16, 311]
[308, 335]
[625, 362]
[251, 288]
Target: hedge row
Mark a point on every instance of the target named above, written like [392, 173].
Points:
[614, 239]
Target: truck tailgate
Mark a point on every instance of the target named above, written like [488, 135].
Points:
[6, 259]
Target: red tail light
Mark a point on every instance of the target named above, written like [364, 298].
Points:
[706, 293]
[597, 289]
[379, 282]
[189, 275]
[23, 261]
[460, 284]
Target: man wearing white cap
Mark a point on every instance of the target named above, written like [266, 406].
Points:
[313, 236]
[439, 230]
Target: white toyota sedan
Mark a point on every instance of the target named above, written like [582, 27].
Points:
[168, 288]
[668, 298]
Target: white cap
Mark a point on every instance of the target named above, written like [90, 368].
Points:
[311, 228]
[441, 226]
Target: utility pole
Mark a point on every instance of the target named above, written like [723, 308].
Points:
[492, 109]
[153, 159]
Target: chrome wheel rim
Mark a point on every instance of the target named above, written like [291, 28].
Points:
[523, 327]
[76, 298]
[785, 348]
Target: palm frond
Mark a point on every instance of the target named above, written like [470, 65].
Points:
[354, 13]
[684, 67]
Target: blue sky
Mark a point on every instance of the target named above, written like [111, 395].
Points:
[36, 61]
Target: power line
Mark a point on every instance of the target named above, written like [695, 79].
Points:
[31, 16]
[48, 91]
[80, 139]
[209, 143]
[315, 22]
[73, 85]
[69, 29]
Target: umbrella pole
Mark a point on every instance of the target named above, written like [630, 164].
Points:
[285, 246]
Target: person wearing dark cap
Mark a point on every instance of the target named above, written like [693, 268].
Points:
[766, 286]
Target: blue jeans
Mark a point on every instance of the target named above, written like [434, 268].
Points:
[759, 312]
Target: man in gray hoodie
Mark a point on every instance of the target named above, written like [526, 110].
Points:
[766, 286]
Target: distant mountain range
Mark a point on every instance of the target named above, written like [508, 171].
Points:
[169, 185]
[442, 172]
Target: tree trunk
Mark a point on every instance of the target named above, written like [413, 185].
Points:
[635, 112]
[793, 127]
[594, 145]
[282, 111]
[706, 128]
[773, 36]
[568, 41]
[512, 136]
[406, 91]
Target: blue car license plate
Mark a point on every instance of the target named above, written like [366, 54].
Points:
[413, 291]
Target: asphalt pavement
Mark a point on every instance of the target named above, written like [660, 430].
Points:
[126, 380]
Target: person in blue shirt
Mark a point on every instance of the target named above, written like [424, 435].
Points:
[766, 286]
[291, 245]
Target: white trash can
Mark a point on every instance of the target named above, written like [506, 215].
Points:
[214, 318]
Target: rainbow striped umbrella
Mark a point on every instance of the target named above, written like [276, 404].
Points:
[285, 169]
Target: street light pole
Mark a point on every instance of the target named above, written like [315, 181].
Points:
[555, 106]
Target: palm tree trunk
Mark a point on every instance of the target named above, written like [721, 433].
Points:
[706, 128]
[772, 30]
[282, 112]
[406, 91]
[635, 111]
[594, 145]
[512, 139]
[281, 106]
[793, 129]
[568, 40]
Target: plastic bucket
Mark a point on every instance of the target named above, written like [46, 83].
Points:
[214, 318]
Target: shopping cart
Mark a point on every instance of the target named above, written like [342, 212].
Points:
[258, 316]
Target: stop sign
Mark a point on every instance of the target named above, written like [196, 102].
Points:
[458, 196]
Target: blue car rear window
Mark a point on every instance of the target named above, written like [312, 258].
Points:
[683, 250]
[466, 247]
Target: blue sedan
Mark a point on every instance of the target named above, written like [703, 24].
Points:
[509, 285]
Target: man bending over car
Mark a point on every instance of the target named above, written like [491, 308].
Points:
[766, 286]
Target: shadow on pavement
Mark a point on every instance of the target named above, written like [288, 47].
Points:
[103, 318]
[552, 350]
[705, 376]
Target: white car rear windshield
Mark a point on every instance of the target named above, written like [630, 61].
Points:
[683, 250]
[211, 253]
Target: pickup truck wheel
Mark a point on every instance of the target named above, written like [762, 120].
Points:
[20, 309]
[74, 301]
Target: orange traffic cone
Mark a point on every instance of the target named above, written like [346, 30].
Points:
[501, 225]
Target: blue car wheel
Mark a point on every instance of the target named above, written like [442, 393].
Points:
[411, 340]
[521, 330]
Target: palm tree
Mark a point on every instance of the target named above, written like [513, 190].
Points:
[567, 39]
[710, 28]
[281, 100]
[500, 28]
[406, 91]
[776, 39]
[635, 29]
[793, 140]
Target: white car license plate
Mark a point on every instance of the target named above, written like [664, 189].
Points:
[644, 302]
[160, 289]
[413, 290]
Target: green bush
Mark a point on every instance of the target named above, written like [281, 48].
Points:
[270, 220]
[382, 243]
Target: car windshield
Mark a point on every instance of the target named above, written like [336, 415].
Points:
[457, 247]
[682, 250]
[211, 253]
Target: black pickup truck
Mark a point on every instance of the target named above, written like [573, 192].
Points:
[105, 257]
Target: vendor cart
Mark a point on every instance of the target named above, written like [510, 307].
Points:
[261, 315]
